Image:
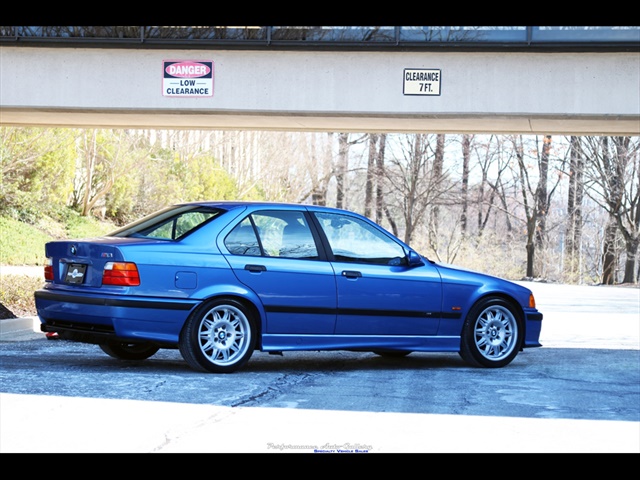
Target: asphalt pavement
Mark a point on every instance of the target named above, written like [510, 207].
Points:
[589, 317]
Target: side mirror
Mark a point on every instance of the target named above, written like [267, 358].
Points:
[413, 259]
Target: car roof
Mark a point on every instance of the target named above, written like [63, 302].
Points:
[232, 204]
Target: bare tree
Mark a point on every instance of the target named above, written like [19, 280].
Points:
[437, 169]
[493, 162]
[342, 167]
[613, 181]
[379, 177]
[535, 198]
[322, 160]
[466, 154]
[371, 174]
[412, 181]
[573, 233]
[382, 208]
[374, 204]
[542, 193]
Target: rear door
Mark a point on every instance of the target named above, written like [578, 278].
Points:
[276, 255]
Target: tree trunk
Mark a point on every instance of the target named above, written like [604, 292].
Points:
[630, 262]
[542, 200]
[466, 153]
[529, 211]
[628, 215]
[379, 178]
[438, 165]
[531, 251]
[573, 232]
[319, 193]
[90, 153]
[371, 165]
[318, 197]
[609, 253]
[414, 170]
[341, 171]
[531, 247]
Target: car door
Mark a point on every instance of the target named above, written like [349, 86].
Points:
[378, 292]
[275, 254]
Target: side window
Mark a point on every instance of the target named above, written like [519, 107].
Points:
[282, 234]
[297, 240]
[285, 234]
[354, 240]
[187, 222]
[242, 240]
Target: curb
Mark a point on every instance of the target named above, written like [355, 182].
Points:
[15, 329]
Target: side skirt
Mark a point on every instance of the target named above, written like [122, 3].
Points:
[280, 342]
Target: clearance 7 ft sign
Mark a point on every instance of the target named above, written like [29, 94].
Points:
[422, 81]
[187, 78]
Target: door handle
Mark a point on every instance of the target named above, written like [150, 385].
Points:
[255, 268]
[351, 274]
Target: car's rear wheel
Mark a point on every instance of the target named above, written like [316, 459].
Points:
[129, 351]
[491, 335]
[218, 337]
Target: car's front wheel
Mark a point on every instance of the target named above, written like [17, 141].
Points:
[218, 337]
[129, 351]
[491, 335]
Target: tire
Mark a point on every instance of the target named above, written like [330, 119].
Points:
[129, 351]
[218, 337]
[491, 334]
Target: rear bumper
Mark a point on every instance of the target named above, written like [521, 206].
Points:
[91, 318]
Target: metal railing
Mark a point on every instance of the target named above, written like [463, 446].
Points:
[616, 38]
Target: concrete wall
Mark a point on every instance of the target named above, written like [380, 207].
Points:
[556, 93]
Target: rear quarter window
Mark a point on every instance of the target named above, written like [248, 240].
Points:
[170, 224]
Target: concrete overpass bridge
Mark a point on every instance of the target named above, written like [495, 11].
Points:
[523, 80]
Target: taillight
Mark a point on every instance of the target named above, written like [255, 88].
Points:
[48, 270]
[124, 274]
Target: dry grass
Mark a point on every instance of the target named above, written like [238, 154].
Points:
[16, 294]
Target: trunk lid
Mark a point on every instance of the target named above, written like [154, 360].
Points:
[80, 263]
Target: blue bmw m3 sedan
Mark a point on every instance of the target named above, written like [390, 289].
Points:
[220, 279]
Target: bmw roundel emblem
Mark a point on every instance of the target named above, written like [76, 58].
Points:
[74, 250]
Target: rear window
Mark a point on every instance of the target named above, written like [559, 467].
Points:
[172, 223]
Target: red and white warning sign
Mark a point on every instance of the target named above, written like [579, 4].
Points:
[187, 78]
